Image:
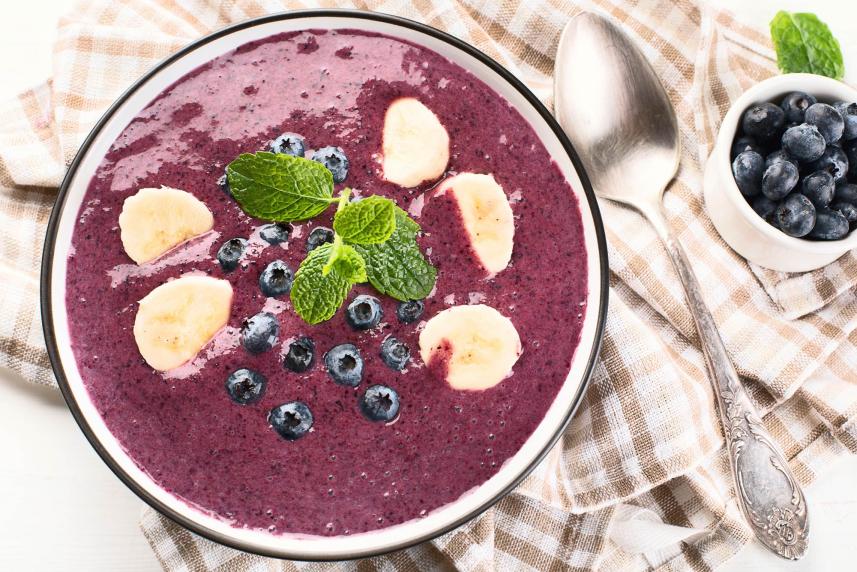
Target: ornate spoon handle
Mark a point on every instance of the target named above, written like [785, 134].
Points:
[770, 498]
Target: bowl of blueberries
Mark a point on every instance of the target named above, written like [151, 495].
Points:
[781, 182]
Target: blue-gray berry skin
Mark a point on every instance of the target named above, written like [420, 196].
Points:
[745, 143]
[763, 121]
[848, 111]
[828, 121]
[291, 420]
[245, 386]
[748, 168]
[276, 279]
[230, 253]
[410, 311]
[364, 312]
[276, 232]
[779, 180]
[795, 105]
[223, 184]
[300, 355]
[829, 225]
[344, 365]
[796, 215]
[765, 208]
[335, 160]
[318, 236]
[780, 156]
[845, 201]
[848, 210]
[850, 150]
[259, 333]
[803, 142]
[818, 187]
[289, 144]
[380, 403]
[395, 353]
[834, 161]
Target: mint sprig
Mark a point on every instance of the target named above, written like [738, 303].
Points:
[805, 44]
[370, 221]
[315, 295]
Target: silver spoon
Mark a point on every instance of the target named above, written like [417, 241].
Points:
[619, 118]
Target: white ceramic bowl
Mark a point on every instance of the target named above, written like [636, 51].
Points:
[736, 221]
[304, 547]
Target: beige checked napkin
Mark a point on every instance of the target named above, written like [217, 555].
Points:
[646, 439]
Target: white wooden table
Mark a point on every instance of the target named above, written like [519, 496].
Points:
[63, 509]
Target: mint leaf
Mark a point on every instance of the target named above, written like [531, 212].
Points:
[279, 187]
[397, 267]
[369, 221]
[805, 44]
[315, 296]
[346, 261]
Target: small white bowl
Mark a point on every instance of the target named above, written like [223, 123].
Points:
[736, 221]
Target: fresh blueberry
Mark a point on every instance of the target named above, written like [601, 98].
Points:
[848, 210]
[850, 149]
[276, 279]
[779, 180]
[275, 233]
[845, 201]
[834, 161]
[223, 183]
[301, 355]
[795, 105]
[803, 142]
[344, 364]
[796, 215]
[259, 333]
[335, 160]
[763, 121]
[818, 187]
[765, 208]
[827, 119]
[319, 235]
[395, 353]
[745, 143]
[364, 312]
[848, 111]
[245, 386]
[829, 225]
[289, 144]
[291, 420]
[779, 156]
[748, 168]
[410, 311]
[380, 403]
[230, 252]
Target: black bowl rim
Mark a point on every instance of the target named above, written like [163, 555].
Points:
[398, 21]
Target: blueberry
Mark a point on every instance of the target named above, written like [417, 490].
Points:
[845, 201]
[395, 353]
[850, 149]
[834, 161]
[748, 168]
[276, 279]
[827, 120]
[319, 235]
[803, 142]
[818, 187]
[275, 233]
[796, 216]
[779, 180]
[745, 143]
[364, 312]
[779, 156]
[291, 420]
[763, 121]
[259, 333]
[410, 311]
[344, 364]
[765, 208]
[301, 355]
[795, 105]
[380, 403]
[829, 225]
[289, 144]
[245, 386]
[848, 111]
[230, 252]
[335, 160]
[223, 183]
[848, 210]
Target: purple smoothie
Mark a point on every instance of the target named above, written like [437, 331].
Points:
[349, 474]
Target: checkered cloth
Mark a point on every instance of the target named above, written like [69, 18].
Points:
[647, 432]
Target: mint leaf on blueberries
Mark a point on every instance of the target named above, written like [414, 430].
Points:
[369, 221]
[346, 261]
[805, 44]
[279, 187]
[316, 296]
[397, 267]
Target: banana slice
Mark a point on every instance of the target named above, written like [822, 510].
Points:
[479, 343]
[415, 144]
[155, 220]
[487, 217]
[179, 317]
